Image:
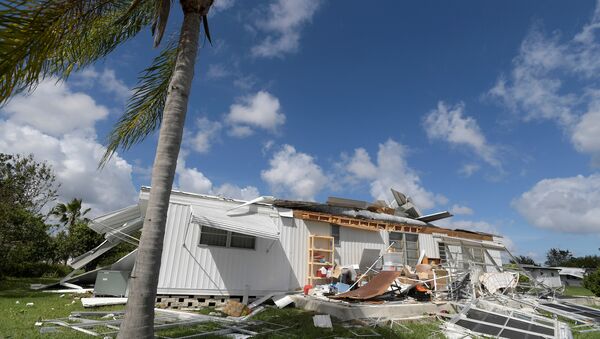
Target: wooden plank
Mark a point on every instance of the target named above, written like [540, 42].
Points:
[375, 225]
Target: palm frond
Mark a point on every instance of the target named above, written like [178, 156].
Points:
[52, 38]
[161, 17]
[206, 29]
[144, 109]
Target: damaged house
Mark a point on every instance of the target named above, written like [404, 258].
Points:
[345, 258]
[216, 246]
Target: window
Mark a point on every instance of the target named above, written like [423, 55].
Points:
[211, 236]
[475, 256]
[239, 240]
[442, 251]
[335, 233]
[407, 244]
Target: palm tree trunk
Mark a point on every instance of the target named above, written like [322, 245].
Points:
[139, 315]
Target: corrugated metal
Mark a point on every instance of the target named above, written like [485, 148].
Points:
[429, 245]
[246, 220]
[275, 265]
[354, 241]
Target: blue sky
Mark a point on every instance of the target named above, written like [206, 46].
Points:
[488, 109]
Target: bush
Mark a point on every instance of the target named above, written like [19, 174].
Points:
[39, 269]
[592, 282]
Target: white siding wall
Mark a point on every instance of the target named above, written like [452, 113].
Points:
[353, 241]
[429, 245]
[192, 269]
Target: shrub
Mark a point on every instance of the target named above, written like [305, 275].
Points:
[592, 282]
[39, 269]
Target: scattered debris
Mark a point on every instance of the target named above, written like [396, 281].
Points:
[322, 321]
[282, 301]
[235, 309]
[29, 304]
[88, 323]
[94, 302]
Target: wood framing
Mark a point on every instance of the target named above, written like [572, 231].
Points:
[379, 225]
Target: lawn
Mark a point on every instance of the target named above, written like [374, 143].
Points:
[17, 319]
[575, 291]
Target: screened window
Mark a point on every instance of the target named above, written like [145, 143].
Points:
[242, 241]
[475, 256]
[211, 236]
[407, 244]
[335, 233]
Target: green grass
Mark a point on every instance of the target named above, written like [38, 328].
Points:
[17, 320]
[576, 291]
[301, 326]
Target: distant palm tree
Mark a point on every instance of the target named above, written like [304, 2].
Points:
[69, 214]
[42, 39]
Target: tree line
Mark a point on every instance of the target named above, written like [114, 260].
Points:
[38, 234]
[556, 257]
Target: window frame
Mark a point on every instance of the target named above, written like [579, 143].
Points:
[402, 247]
[228, 235]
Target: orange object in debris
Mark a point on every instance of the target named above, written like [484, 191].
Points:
[307, 288]
[421, 288]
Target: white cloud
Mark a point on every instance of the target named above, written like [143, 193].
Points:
[570, 205]
[236, 192]
[283, 25]
[390, 171]
[55, 110]
[535, 87]
[295, 174]
[458, 209]
[450, 125]
[469, 169]
[74, 159]
[56, 125]
[206, 134]
[221, 5]
[217, 71]
[261, 110]
[190, 179]
[107, 81]
[585, 134]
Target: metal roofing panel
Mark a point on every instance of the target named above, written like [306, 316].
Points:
[114, 220]
[250, 221]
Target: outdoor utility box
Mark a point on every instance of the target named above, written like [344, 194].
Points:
[111, 283]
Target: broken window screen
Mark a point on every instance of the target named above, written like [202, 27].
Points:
[407, 244]
[442, 251]
[335, 233]
[213, 236]
[474, 255]
[242, 241]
